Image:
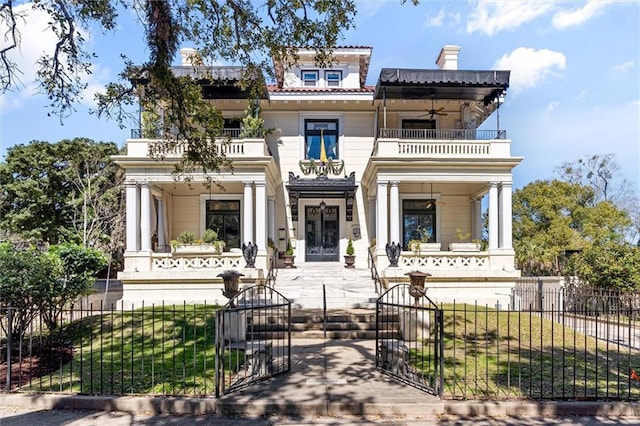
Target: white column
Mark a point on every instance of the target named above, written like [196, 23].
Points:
[506, 216]
[271, 219]
[247, 219]
[261, 215]
[132, 217]
[381, 217]
[145, 218]
[162, 240]
[476, 218]
[394, 213]
[493, 216]
[372, 219]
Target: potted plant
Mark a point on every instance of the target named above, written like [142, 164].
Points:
[349, 258]
[464, 244]
[289, 257]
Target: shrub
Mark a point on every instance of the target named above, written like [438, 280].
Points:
[187, 237]
[350, 250]
[209, 236]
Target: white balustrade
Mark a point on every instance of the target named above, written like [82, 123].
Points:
[446, 261]
[191, 263]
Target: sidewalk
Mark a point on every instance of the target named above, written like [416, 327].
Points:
[328, 379]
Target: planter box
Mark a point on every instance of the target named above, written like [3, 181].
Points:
[424, 247]
[197, 248]
[464, 247]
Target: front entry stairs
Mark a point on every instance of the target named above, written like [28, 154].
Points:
[344, 288]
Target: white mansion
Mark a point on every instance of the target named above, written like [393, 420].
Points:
[411, 157]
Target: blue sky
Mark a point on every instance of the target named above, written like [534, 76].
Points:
[575, 73]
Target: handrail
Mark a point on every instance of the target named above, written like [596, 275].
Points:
[442, 134]
[374, 271]
[272, 271]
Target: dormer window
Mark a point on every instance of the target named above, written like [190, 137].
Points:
[310, 78]
[333, 78]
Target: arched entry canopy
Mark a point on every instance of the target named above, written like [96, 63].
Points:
[322, 187]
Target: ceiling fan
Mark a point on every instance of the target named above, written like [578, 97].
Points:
[431, 202]
[431, 112]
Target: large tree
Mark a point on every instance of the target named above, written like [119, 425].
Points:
[602, 173]
[68, 191]
[244, 32]
[551, 217]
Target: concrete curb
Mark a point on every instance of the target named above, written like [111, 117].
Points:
[204, 406]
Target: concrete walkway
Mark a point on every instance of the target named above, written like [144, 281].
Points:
[329, 378]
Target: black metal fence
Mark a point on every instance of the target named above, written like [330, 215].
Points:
[152, 350]
[573, 342]
[579, 343]
[253, 338]
[412, 351]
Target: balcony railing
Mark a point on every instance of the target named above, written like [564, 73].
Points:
[443, 134]
[442, 143]
[232, 143]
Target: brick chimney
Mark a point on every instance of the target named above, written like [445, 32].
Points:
[448, 58]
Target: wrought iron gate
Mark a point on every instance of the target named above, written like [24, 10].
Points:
[409, 345]
[253, 338]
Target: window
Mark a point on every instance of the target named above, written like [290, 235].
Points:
[223, 216]
[309, 78]
[418, 213]
[418, 124]
[318, 132]
[333, 78]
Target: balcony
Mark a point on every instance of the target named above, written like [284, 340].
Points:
[235, 143]
[449, 143]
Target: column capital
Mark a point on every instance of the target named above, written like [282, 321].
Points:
[506, 184]
[382, 182]
[260, 183]
[247, 182]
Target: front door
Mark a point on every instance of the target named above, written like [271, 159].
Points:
[321, 234]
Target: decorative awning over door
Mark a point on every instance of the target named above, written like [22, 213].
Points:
[322, 187]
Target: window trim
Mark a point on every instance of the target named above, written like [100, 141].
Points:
[438, 211]
[327, 81]
[304, 81]
[220, 197]
[320, 120]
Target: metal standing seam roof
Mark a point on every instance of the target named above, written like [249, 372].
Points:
[404, 83]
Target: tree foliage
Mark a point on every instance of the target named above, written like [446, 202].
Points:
[69, 191]
[610, 266]
[33, 282]
[241, 32]
[551, 217]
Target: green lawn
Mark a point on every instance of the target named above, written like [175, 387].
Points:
[162, 350]
[499, 354]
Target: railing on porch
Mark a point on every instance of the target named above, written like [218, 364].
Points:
[177, 262]
[377, 282]
[442, 134]
[238, 144]
[441, 143]
[445, 260]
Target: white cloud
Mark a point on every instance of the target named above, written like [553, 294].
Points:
[436, 21]
[581, 96]
[551, 108]
[37, 39]
[529, 66]
[624, 67]
[491, 17]
[568, 18]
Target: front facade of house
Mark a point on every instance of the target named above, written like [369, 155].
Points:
[412, 156]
